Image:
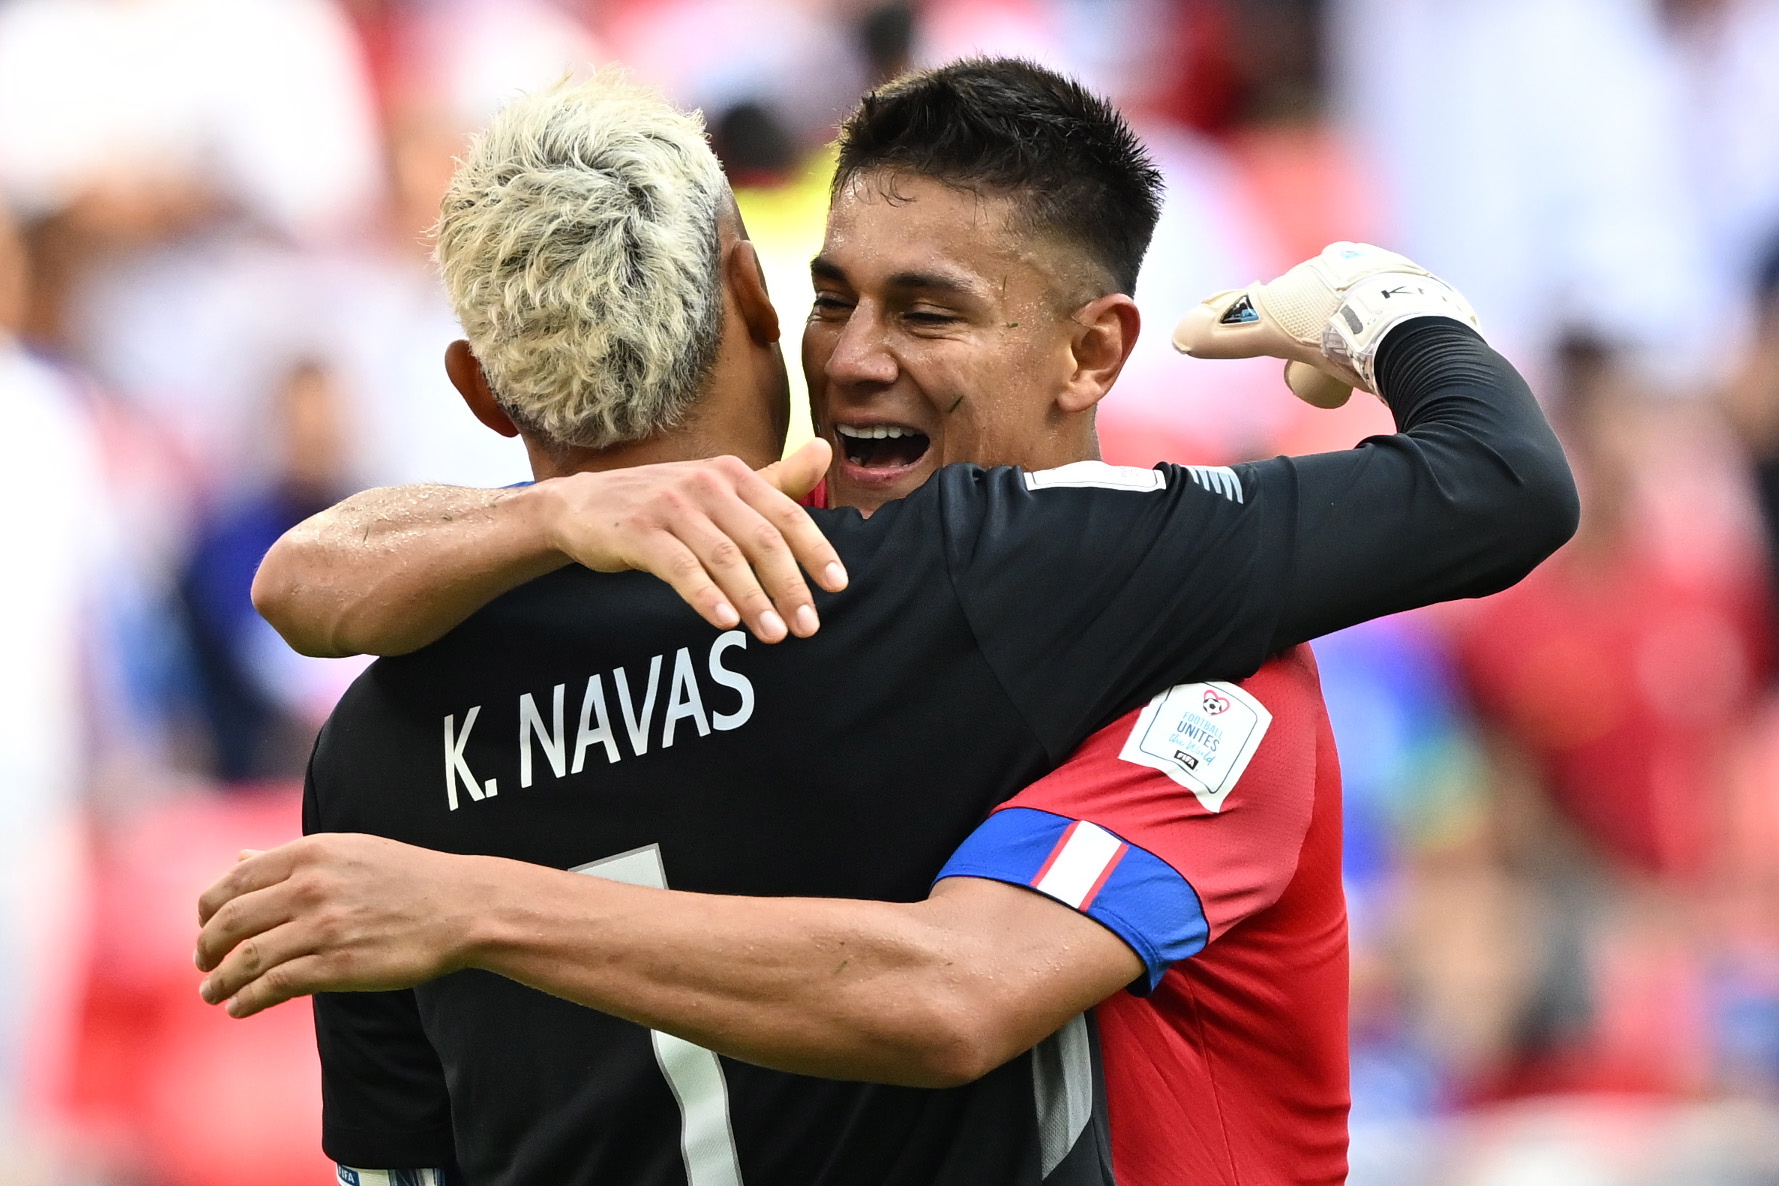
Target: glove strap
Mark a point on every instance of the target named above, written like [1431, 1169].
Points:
[1374, 306]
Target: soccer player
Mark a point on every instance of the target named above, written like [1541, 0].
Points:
[924, 725]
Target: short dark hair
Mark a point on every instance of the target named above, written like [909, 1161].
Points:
[1065, 156]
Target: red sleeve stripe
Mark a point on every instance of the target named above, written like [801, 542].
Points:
[1078, 866]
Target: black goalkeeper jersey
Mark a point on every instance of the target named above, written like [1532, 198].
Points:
[994, 619]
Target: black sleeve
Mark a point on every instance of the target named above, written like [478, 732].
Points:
[1087, 600]
[383, 1098]
[384, 1103]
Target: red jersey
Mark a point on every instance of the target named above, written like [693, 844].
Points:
[1205, 830]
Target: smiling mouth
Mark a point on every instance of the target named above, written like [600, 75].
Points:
[882, 446]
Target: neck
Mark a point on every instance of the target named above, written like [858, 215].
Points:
[700, 438]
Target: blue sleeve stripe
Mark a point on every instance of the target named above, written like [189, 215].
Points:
[1138, 896]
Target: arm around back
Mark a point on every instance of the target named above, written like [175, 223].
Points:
[924, 994]
[389, 571]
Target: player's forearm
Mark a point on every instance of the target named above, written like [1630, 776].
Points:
[876, 991]
[390, 570]
[1472, 495]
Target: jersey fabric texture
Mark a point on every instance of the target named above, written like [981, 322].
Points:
[993, 623]
[1227, 1062]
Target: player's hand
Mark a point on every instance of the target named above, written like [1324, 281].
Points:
[728, 539]
[1326, 317]
[333, 913]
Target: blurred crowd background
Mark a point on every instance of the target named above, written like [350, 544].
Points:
[217, 315]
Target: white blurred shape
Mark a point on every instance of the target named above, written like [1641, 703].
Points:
[51, 535]
[1031, 29]
[264, 101]
[1729, 65]
[1533, 154]
[476, 55]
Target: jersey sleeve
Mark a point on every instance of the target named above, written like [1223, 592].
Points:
[383, 1097]
[1090, 586]
[1174, 823]
[384, 1103]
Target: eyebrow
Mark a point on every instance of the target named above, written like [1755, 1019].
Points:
[822, 268]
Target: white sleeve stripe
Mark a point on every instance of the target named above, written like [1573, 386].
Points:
[1096, 475]
[1079, 864]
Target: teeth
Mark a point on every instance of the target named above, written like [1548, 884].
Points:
[875, 432]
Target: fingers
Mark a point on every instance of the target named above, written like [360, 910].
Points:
[1315, 387]
[798, 474]
[254, 956]
[711, 574]
[810, 547]
[252, 871]
[732, 542]
[1223, 326]
[297, 977]
[240, 919]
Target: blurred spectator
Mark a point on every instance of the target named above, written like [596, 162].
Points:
[796, 56]
[52, 546]
[886, 34]
[1753, 400]
[756, 148]
[1620, 667]
[1616, 679]
[255, 728]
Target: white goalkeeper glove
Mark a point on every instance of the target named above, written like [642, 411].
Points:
[1326, 317]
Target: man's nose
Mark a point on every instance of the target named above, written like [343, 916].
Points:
[861, 355]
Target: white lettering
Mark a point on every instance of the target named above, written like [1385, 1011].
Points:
[594, 701]
[733, 680]
[638, 729]
[531, 724]
[455, 765]
[686, 706]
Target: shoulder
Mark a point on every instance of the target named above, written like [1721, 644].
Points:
[1193, 745]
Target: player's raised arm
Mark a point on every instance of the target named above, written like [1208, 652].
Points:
[1090, 586]
[1471, 494]
[390, 570]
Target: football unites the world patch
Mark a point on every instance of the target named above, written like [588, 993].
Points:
[1200, 735]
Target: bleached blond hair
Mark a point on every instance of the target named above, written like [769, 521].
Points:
[578, 242]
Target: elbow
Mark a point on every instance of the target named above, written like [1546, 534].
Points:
[277, 597]
[956, 1041]
[1553, 506]
[1536, 512]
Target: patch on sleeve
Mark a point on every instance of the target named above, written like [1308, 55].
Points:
[1096, 474]
[1200, 735]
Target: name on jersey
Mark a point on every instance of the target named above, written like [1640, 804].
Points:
[1200, 735]
[679, 697]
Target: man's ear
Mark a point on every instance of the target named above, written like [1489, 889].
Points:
[467, 376]
[747, 280]
[1105, 332]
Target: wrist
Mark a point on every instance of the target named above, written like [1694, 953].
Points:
[496, 911]
[542, 511]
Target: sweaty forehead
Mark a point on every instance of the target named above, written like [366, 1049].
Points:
[890, 229]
